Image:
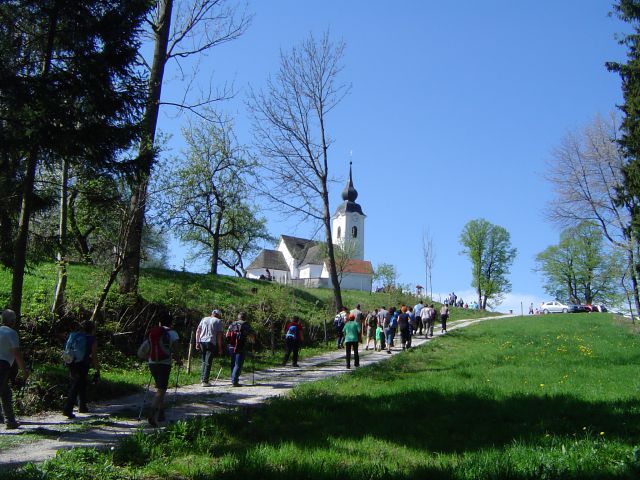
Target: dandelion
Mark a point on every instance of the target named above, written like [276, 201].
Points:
[601, 434]
[542, 385]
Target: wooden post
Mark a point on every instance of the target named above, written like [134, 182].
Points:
[190, 352]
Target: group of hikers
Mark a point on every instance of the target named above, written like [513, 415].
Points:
[380, 326]
[161, 349]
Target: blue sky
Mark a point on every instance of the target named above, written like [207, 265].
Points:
[455, 107]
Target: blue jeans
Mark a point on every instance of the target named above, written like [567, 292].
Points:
[237, 360]
[5, 394]
[209, 349]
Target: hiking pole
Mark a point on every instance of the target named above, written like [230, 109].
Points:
[253, 366]
[175, 392]
[217, 376]
[144, 397]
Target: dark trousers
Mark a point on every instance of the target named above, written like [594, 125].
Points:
[78, 375]
[405, 337]
[356, 357]
[291, 345]
[237, 360]
[339, 339]
[5, 393]
[443, 321]
[429, 327]
[209, 350]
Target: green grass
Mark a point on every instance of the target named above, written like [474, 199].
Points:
[548, 397]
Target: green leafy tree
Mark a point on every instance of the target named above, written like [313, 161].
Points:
[580, 269]
[205, 197]
[489, 248]
[386, 276]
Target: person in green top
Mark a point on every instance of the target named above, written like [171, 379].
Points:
[352, 336]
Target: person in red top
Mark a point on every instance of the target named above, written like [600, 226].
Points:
[293, 337]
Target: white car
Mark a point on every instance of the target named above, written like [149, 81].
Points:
[553, 307]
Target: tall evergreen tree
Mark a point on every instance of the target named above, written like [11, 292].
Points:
[629, 193]
[72, 91]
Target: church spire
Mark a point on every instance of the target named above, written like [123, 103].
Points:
[350, 193]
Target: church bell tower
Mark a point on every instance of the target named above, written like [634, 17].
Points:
[348, 222]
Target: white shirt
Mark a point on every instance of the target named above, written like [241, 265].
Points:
[209, 328]
[8, 341]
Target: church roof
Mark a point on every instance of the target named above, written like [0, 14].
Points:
[271, 259]
[314, 255]
[349, 195]
[297, 246]
[358, 266]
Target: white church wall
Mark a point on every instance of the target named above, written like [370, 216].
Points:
[356, 281]
[291, 262]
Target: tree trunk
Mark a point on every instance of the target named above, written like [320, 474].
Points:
[58, 300]
[634, 271]
[79, 239]
[22, 236]
[133, 250]
[215, 249]
[333, 273]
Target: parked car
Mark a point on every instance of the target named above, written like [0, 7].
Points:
[599, 308]
[553, 307]
[574, 308]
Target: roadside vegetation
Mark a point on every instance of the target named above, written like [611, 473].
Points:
[549, 397]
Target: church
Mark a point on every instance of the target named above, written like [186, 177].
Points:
[300, 262]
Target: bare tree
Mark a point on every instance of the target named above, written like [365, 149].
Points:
[586, 173]
[429, 256]
[290, 128]
[192, 29]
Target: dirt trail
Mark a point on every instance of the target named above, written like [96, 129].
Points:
[111, 420]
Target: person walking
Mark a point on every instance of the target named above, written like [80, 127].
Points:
[357, 312]
[418, 318]
[209, 341]
[404, 325]
[81, 351]
[238, 334]
[425, 315]
[162, 344]
[372, 323]
[338, 326]
[393, 326]
[293, 338]
[352, 337]
[9, 354]
[444, 315]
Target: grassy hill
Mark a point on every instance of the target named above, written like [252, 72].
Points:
[552, 397]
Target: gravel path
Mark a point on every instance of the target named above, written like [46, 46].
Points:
[110, 421]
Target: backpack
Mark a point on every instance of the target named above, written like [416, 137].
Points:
[159, 344]
[233, 334]
[292, 332]
[75, 348]
[393, 323]
[372, 321]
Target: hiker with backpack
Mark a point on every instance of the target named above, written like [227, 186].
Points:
[209, 341]
[372, 323]
[338, 326]
[80, 353]
[352, 337]
[10, 355]
[160, 346]
[238, 334]
[391, 328]
[293, 338]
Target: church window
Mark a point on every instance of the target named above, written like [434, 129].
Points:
[354, 232]
[339, 232]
